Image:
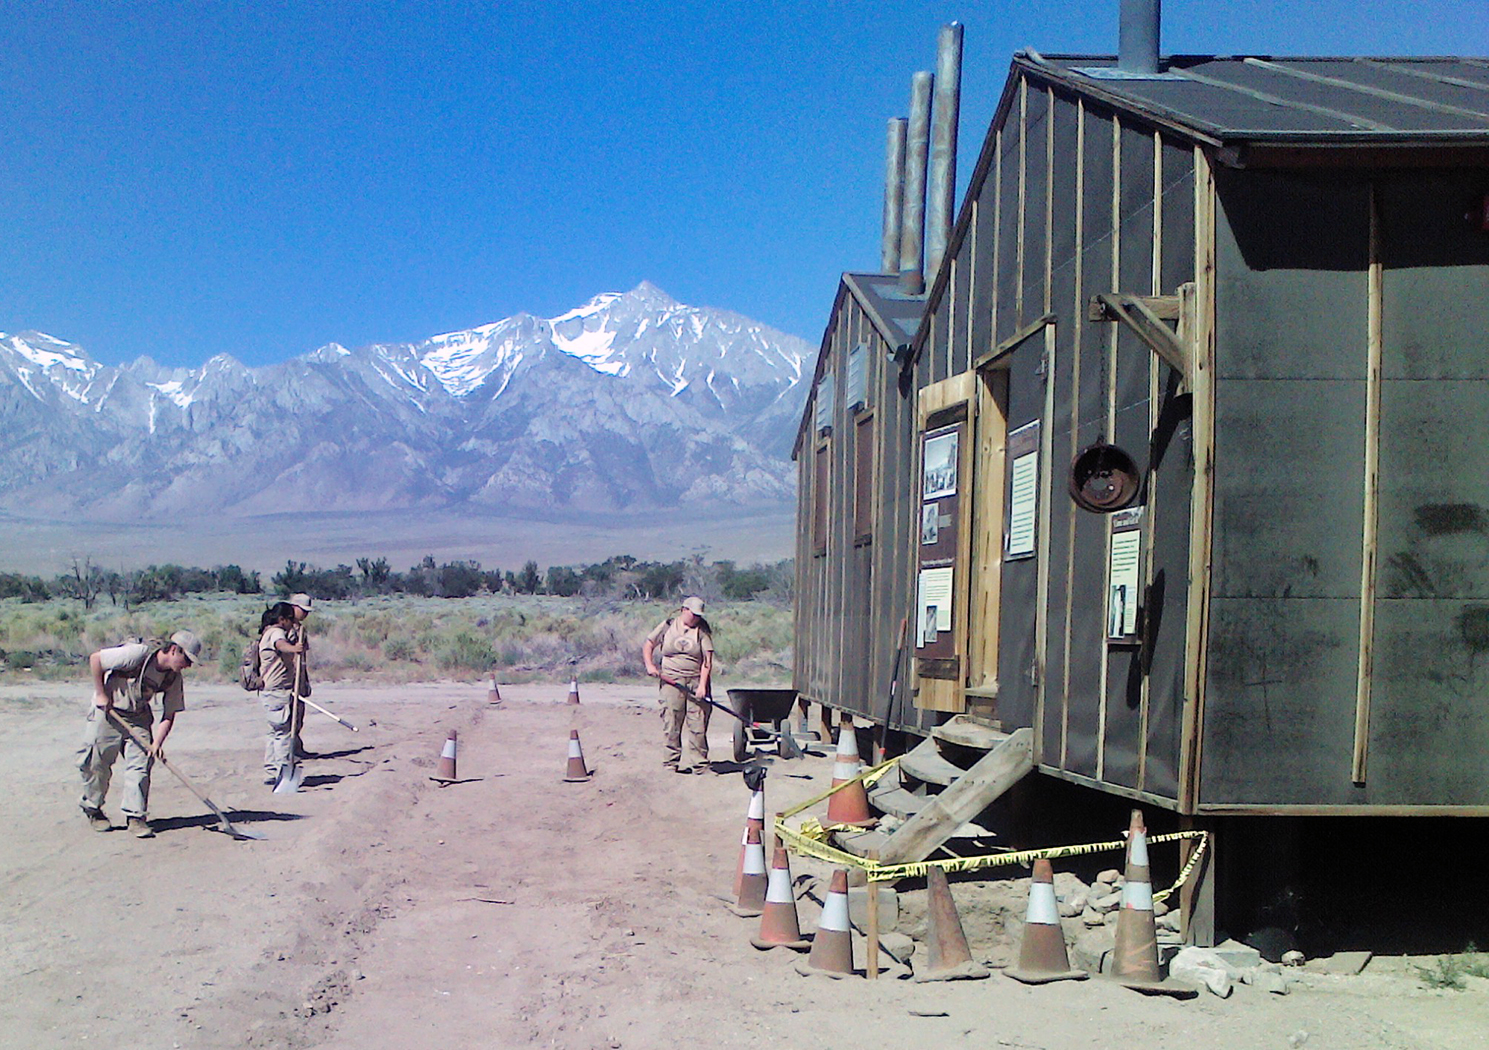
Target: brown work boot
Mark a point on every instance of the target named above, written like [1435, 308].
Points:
[140, 828]
[96, 820]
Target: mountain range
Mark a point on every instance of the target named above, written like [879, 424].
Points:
[631, 401]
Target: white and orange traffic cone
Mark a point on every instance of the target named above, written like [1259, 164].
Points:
[850, 805]
[494, 694]
[446, 770]
[573, 690]
[832, 947]
[1042, 956]
[778, 924]
[752, 886]
[755, 818]
[577, 771]
[947, 956]
[1135, 953]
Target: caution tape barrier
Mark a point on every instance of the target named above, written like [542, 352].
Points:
[811, 840]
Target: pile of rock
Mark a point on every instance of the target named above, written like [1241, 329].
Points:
[1097, 905]
[1228, 964]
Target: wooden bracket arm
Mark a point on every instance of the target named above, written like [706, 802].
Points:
[1145, 315]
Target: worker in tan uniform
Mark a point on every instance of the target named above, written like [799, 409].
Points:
[301, 603]
[278, 658]
[126, 680]
[684, 644]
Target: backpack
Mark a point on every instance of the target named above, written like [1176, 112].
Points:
[250, 672]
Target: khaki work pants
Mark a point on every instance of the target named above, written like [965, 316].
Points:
[279, 744]
[680, 709]
[102, 743]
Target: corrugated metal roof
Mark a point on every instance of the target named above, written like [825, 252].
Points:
[1333, 101]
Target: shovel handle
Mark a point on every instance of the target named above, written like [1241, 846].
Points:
[139, 738]
[707, 699]
[329, 714]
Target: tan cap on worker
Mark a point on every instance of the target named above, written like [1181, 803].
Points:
[189, 644]
[693, 604]
[304, 601]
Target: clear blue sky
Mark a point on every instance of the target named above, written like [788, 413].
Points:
[184, 179]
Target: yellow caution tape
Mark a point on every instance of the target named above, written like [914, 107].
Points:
[811, 839]
[868, 777]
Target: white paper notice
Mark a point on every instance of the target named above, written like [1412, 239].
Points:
[935, 589]
[1123, 572]
[1025, 505]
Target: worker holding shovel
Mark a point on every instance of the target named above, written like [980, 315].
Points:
[279, 660]
[301, 603]
[684, 644]
[126, 679]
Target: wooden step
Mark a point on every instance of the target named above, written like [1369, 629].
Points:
[897, 802]
[925, 763]
[965, 732]
[944, 814]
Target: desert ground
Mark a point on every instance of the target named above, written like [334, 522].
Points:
[509, 910]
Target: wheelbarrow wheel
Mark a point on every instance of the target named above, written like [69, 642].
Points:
[741, 742]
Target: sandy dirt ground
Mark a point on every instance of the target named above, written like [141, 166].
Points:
[385, 911]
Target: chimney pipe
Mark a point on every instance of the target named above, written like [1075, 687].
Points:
[941, 208]
[894, 196]
[912, 230]
[1137, 37]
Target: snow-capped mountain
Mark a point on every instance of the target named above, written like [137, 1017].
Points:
[633, 400]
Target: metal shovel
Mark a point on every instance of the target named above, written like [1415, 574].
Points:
[223, 824]
[292, 774]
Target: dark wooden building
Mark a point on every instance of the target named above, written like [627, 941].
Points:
[1264, 282]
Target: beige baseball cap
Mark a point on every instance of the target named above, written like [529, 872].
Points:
[693, 604]
[189, 643]
[304, 601]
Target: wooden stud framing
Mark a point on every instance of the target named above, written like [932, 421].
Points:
[1373, 351]
[971, 252]
[1199, 319]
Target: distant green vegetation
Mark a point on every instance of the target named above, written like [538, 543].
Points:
[402, 627]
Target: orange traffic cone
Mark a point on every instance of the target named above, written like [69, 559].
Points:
[755, 818]
[494, 694]
[832, 948]
[577, 770]
[1042, 957]
[751, 901]
[446, 773]
[947, 956]
[851, 804]
[778, 925]
[573, 690]
[1135, 954]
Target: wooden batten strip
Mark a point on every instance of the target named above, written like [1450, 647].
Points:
[1078, 311]
[1109, 432]
[1049, 206]
[1199, 304]
[997, 227]
[1369, 540]
[1042, 577]
[1018, 285]
[1155, 287]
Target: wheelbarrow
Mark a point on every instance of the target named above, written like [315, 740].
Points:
[762, 717]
